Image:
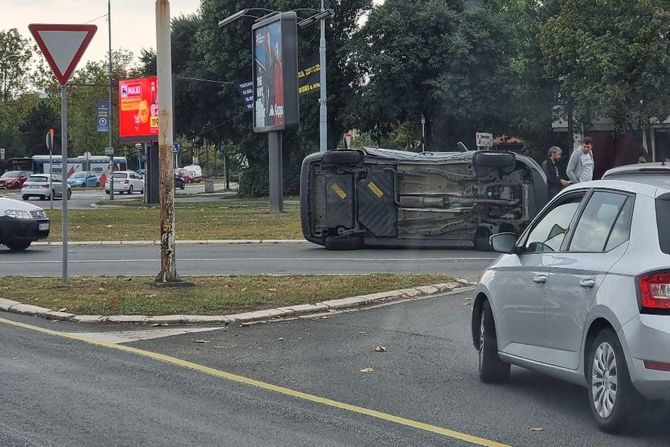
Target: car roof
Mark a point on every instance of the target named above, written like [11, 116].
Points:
[650, 189]
[639, 168]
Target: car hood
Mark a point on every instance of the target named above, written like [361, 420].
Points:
[11, 204]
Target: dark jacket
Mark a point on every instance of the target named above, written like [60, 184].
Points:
[553, 178]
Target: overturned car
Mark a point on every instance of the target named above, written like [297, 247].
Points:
[388, 198]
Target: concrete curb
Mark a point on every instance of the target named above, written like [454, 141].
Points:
[182, 242]
[300, 310]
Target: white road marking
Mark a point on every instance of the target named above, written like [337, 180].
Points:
[147, 334]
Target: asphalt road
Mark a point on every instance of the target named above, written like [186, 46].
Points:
[57, 391]
[219, 259]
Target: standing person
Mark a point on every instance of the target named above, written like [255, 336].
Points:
[554, 180]
[580, 166]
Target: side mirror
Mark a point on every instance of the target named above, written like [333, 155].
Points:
[503, 242]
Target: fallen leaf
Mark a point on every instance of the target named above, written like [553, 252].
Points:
[281, 339]
[537, 429]
[272, 290]
[244, 289]
[101, 289]
[62, 309]
[200, 341]
[367, 370]
[109, 226]
[380, 349]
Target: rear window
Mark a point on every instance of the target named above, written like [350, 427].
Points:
[119, 175]
[648, 178]
[663, 221]
[11, 174]
[38, 178]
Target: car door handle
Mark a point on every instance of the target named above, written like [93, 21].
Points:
[540, 279]
[587, 283]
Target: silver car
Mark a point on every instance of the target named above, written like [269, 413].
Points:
[584, 295]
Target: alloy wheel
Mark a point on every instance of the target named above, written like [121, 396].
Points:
[604, 380]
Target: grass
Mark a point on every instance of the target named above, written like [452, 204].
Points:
[211, 295]
[230, 219]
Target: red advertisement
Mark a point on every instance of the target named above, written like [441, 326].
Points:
[138, 109]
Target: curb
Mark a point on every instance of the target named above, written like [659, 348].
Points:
[182, 242]
[300, 310]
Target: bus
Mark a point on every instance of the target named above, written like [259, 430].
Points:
[40, 164]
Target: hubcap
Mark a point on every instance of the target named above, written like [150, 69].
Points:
[604, 383]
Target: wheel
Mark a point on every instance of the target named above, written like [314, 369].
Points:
[342, 157]
[182, 185]
[69, 194]
[25, 197]
[97, 184]
[491, 368]
[107, 192]
[342, 243]
[481, 239]
[18, 246]
[612, 396]
[42, 198]
[130, 190]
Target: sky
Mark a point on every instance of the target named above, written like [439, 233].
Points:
[133, 21]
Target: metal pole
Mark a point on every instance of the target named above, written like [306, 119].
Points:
[63, 125]
[168, 271]
[423, 133]
[109, 115]
[323, 109]
[275, 161]
[51, 172]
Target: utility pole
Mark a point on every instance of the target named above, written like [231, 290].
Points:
[323, 109]
[168, 273]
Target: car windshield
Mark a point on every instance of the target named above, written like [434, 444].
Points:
[11, 174]
[79, 174]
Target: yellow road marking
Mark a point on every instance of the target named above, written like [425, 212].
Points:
[375, 190]
[339, 191]
[267, 386]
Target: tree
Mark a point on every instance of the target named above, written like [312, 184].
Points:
[431, 58]
[612, 57]
[16, 54]
[35, 125]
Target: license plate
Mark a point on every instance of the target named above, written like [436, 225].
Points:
[44, 226]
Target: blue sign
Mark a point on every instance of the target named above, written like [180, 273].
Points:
[176, 147]
[102, 118]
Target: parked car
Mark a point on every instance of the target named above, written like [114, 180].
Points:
[83, 179]
[380, 197]
[38, 185]
[584, 295]
[646, 172]
[126, 181]
[21, 223]
[13, 179]
[194, 173]
[179, 182]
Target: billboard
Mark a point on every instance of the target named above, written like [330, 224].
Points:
[138, 110]
[275, 67]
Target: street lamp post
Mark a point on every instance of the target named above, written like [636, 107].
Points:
[323, 108]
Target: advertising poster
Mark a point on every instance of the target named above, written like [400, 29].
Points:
[138, 110]
[269, 95]
[309, 75]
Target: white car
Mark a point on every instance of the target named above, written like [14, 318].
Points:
[21, 223]
[126, 181]
[38, 185]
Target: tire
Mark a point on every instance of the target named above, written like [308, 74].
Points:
[491, 368]
[107, 192]
[97, 184]
[130, 190]
[25, 197]
[481, 239]
[342, 243]
[18, 246]
[611, 401]
[182, 186]
[69, 194]
[342, 157]
[43, 198]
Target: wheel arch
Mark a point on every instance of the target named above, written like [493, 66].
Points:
[596, 326]
[477, 307]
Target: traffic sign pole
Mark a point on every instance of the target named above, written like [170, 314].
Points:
[63, 124]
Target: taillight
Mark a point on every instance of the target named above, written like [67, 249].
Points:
[655, 291]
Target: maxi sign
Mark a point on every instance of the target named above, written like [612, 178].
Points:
[275, 66]
[138, 110]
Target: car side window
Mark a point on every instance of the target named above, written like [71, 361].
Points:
[597, 221]
[549, 233]
[621, 230]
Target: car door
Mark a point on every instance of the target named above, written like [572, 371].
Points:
[597, 242]
[57, 184]
[520, 281]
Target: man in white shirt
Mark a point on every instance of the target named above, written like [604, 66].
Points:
[580, 166]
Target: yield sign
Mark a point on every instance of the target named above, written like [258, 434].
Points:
[62, 46]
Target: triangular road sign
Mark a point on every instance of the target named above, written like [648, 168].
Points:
[62, 46]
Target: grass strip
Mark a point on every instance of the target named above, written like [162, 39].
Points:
[194, 221]
[211, 295]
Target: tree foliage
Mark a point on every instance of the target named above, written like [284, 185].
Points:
[16, 54]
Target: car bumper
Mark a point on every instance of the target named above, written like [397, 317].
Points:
[20, 230]
[648, 339]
